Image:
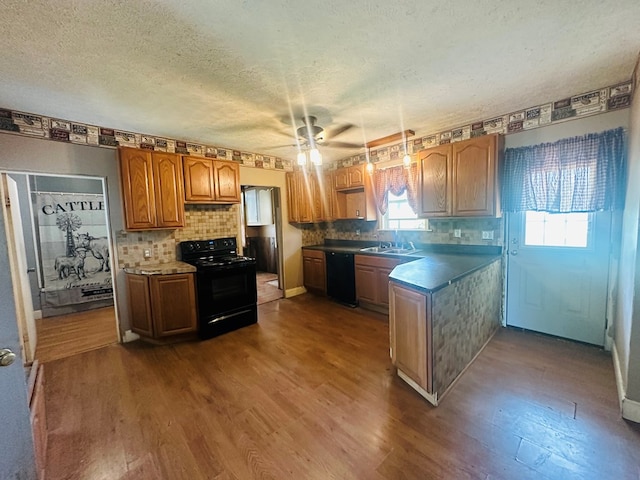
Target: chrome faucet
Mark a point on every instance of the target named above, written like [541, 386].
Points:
[413, 247]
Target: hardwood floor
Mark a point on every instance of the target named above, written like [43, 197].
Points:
[268, 290]
[67, 335]
[309, 393]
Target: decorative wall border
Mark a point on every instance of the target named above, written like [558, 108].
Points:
[33, 125]
[594, 102]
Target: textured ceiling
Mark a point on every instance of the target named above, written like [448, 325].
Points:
[234, 73]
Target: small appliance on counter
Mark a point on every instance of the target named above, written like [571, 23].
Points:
[225, 285]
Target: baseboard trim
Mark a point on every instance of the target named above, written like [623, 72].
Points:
[630, 409]
[431, 398]
[292, 292]
[130, 336]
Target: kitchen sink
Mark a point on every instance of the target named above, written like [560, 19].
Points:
[389, 250]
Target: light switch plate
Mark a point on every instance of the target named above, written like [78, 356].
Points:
[147, 253]
[457, 233]
[487, 234]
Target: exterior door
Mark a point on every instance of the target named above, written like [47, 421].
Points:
[16, 443]
[557, 274]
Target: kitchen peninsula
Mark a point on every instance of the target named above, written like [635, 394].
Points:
[444, 303]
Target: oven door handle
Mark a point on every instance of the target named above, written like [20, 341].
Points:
[224, 317]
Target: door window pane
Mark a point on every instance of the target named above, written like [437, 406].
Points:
[557, 229]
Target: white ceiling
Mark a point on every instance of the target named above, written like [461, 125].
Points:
[232, 73]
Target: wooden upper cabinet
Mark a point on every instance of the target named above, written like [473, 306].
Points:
[136, 171]
[461, 179]
[169, 183]
[292, 198]
[152, 187]
[435, 169]
[211, 181]
[198, 179]
[227, 181]
[474, 177]
[349, 177]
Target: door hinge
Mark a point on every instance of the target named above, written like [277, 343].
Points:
[7, 202]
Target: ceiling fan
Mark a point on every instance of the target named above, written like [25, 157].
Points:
[310, 135]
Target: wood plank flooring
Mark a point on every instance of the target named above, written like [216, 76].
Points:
[309, 393]
[267, 291]
[68, 335]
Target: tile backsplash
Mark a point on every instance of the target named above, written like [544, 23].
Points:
[441, 231]
[201, 222]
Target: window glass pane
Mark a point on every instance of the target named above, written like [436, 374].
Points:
[400, 216]
[557, 229]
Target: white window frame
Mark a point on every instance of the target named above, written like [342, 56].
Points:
[384, 219]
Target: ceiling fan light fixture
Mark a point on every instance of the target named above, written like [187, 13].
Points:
[302, 159]
[315, 156]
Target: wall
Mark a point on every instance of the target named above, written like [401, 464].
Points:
[627, 325]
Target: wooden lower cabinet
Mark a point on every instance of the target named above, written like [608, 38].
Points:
[162, 306]
[372, 280]
[410, 336]
[314, 270]
[38, 416]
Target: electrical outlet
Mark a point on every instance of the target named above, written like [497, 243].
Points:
[357, 232]
[147, 253]
[487, 234]
[457, 233]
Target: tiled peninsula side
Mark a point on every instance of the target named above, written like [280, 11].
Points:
[437, 330]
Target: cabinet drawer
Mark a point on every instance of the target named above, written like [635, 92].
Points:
[377, 261]
[313, 253]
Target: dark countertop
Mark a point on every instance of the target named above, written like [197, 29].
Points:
[435, 265]
[437, 270]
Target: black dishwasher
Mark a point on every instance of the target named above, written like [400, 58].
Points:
[341, 278]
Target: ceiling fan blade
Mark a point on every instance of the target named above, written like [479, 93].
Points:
[334, 132]
[341, 144]
[273, 147]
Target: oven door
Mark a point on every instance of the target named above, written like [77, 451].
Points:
[222, 289]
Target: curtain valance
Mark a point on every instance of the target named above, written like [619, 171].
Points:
[579, 174]
[396, 180]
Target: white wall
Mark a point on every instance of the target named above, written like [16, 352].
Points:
[627, 335]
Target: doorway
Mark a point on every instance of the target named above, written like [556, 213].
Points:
[261, 231]
[71, 305]
[558, 274]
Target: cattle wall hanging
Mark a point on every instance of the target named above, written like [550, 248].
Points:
[73, 248]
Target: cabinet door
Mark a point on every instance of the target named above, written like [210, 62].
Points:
[366, 283]
[474, 167]
[330, 196]
[305, 198]
[314, 270]
[341, 178]
[136, 175]
[198, 179]
[292, 198]
[139, 304]
[382, 280]
[169, 189]
[227, 181]
[435, 181]
[173, 301]
[410, 335]
[356, 176]
[318, 199]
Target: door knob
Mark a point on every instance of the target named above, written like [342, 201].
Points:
[7, 357]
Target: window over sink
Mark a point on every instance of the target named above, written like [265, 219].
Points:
[400, 216]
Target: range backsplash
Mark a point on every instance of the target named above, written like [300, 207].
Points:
[201, 222]
[442, 231]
